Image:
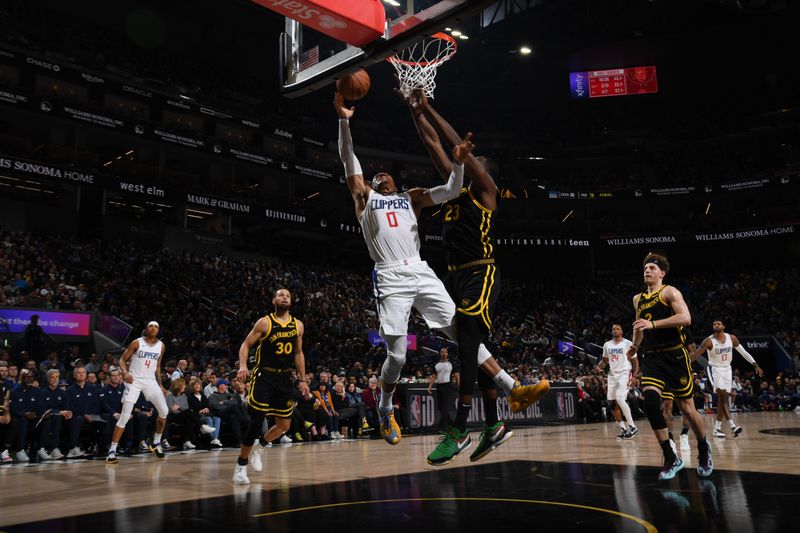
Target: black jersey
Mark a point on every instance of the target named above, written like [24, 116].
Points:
[276, 349]
[652, 307]
[468, 231]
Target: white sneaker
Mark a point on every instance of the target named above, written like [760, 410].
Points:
[685, 442]
[285, 440]
[56, 454]
[719, 434]
[255, 457]
[797, 409]
[205, 429]
[43, 455]
[672, 445]
[188, 445]
[240, 475]
[216, 444]
[75, 452]
[21, 457]
[5, 457]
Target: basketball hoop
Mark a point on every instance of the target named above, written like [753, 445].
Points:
[416, 66]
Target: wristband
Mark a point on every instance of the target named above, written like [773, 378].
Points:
[653, 322]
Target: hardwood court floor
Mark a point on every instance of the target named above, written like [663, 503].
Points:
[553, 478]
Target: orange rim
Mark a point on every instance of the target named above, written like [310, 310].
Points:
[442, 37]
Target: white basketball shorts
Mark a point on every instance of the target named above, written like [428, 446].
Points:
[152, 393]
[617, 383]
[399, 287]
[721, 377]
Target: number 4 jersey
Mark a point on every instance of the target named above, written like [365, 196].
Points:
[277, 348]
[144, 361]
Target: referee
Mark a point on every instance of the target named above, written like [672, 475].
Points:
[444, 370]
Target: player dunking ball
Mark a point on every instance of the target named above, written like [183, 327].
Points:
[719, 348]
[401, 279]
[661, 315]
[142, 376]
[622, 372]
[473, 281]
[280, 343]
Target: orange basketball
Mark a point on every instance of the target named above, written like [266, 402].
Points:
[354, 86]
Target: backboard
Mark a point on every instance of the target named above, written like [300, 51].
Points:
[310, 60]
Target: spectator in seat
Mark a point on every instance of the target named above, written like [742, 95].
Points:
[350, 409]
[309, 407]
[144, 421]
[84, 402]
[326, 404]
[51, 363]
[111, 402]
[56, 402]
[5, 422]
[181, 415]
[26, 408]
[211, 386]
[226, 405]
[370, 397]
[198, 403]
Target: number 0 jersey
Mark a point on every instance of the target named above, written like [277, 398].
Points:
[276, 349]
[144, 361]
[390, 227]
[652, 307]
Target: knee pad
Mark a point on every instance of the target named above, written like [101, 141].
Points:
[395, 358]
[652, 406]
[483, 354]
[123, 420]
[621, 398]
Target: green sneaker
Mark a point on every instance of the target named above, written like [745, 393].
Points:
[491, 438]
[453, 443]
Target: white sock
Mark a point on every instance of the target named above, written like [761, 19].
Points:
[156, 439]
[386, 401]
[112, 448]
[732, 423]
[717, 424]
[503, 380]
[623, 426]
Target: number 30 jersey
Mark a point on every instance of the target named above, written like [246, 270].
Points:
[144, 361]
[390, 227]
[276, 349]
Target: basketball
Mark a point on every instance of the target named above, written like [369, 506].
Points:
[354, 86]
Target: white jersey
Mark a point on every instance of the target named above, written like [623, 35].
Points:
[720, 353]
[443, 370]
[617, 355]
[390, 228]
[144, 361]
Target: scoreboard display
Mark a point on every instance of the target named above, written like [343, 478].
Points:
[613, 82]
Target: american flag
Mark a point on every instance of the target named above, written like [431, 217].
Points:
[309, 58]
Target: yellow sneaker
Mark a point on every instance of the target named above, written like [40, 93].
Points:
[523, 397]
[389, 428]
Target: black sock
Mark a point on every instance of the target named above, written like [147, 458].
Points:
[685, 430]
[262, 442]
[242, 462]
[490, 404]
[702, 446]
[669, 455]
[461, 416]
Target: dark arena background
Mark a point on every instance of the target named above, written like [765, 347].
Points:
[179, 162]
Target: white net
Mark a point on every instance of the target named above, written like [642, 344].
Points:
[416, 65]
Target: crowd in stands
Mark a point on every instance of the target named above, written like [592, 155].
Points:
[206, 305]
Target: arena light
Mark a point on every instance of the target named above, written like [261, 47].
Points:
[567, 217]
[525, 50]
[455, 33]
[708, 208]
[462, 36]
